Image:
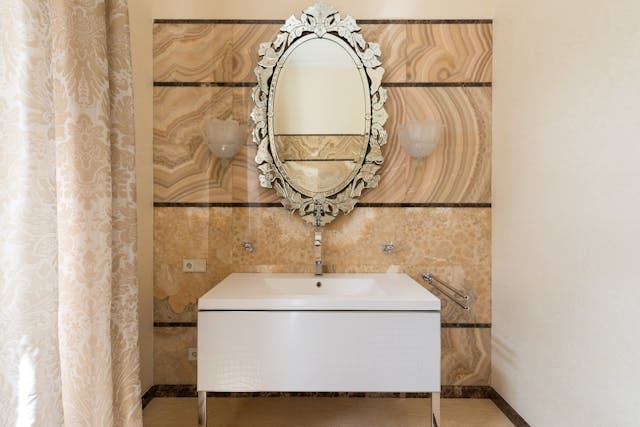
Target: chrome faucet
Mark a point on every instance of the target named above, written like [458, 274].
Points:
[317, 252]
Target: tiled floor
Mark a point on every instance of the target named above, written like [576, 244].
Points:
[321, 412]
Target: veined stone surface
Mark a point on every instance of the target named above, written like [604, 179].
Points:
[452, 243]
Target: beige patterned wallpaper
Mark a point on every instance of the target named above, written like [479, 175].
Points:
[441, 69]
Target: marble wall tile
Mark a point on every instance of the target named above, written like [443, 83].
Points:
[278, 238]
[162, 311]
[192, 52]
[184, 168]
[410, 52]
[449, 52]
[459, 170]
[246, 41]
[170, 362]
[189, 233]
[466, 356]
[208, 52]
[454, 244]
[246, 185]
[392, 39]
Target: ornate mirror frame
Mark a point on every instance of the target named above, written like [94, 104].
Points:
[318, 21]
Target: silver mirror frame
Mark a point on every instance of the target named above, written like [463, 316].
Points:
[317, 21]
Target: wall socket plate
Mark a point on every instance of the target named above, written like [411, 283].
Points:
[194, 265]
[192, 353]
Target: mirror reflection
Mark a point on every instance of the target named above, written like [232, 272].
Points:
[320, 117]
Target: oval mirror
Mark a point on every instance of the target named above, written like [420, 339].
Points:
[319, 114]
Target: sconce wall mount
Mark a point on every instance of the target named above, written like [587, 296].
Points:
[224, 137]
[419, 138]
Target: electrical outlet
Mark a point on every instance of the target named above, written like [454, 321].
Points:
[194, 265]
[192, 353]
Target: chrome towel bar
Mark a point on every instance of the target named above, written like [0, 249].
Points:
[439, 284]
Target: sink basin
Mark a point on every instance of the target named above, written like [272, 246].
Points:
[304, 291]
[330, 285]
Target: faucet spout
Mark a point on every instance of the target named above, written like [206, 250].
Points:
[317, 252]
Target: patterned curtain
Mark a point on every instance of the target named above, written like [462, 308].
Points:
[68, 291]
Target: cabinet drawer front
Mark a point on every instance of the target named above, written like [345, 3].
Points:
[318, 351]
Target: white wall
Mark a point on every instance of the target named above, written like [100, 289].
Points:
[359, 9]
[566, 211]
[141, 21]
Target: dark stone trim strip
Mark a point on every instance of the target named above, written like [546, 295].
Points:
[507, 409]
[195, 324]
[424, 205]
[218, 21]
[424, 21]
[438, 84]
[316, 311]
[175, 324]
[205, 84]
[344, 394]
[448, 391]
[466, 391]
[359, 21]
[466, 325]
[176, 390]
[389, 84]
[215, 205]
[279, 205]
[149, 395]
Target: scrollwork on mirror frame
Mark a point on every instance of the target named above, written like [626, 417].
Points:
[319, 19]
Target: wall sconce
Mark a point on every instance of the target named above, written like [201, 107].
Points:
[419, 138]
[224, 137]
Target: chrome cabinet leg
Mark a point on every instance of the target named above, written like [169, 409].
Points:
[202, 409]
[434, 413]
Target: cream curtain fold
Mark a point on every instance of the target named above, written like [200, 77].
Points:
[68, 290]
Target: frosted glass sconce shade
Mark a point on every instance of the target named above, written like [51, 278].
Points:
[224, 137]
[419, 139]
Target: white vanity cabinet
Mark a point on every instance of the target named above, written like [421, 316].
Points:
[331, 333]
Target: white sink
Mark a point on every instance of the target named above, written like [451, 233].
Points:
[304, 291]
